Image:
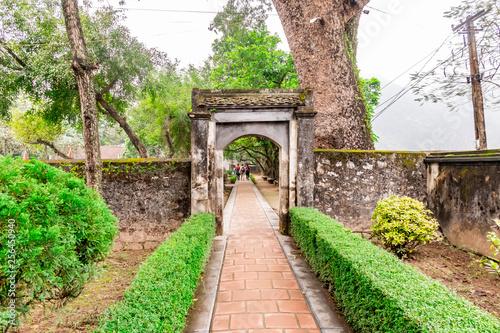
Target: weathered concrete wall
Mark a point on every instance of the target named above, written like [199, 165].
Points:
[349, 184]
[149, 197]
[464, 191]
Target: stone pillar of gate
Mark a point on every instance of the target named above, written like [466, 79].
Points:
[199, 162]
[305, 155]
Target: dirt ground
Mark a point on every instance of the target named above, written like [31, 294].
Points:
[458, 270]
[270, 192]
[461, 272]
[82, 314]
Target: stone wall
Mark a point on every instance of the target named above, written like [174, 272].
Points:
[349, 184]
[464, 191]
[149, 197]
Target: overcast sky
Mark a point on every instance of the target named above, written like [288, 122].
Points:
[393, 37]
[395, 34]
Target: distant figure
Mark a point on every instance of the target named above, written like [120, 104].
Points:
[237, 169]
[247, 171]
[242, 172]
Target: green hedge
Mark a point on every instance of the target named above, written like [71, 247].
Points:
[162, 292]
[233, 179]
[53, 232]
[252, 178]
[376, 291]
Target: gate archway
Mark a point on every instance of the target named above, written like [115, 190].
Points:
[219, 117]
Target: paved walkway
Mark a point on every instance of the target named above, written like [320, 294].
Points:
[257, 292]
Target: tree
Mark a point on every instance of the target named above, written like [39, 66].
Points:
[261, 151]
[161, 117]
[246, 56]
[83, 67]
[448, 81]
[252, 61]
[322, 38]
[30, 128]
[370, 89]
[36, 62]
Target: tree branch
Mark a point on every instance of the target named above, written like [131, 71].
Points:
[51, 146]
[108, 87]
[12, 54]
[110, 111]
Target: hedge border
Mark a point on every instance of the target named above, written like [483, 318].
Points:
[161, 295]
[376, 291]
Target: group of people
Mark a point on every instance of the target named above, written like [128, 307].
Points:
[242, 171]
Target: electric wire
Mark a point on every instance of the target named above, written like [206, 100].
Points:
[408, 88]
[432, 54]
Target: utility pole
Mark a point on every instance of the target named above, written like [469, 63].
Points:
[475, 77]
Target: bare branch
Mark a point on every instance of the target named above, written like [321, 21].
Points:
[51, 146]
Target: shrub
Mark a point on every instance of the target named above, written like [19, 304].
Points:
[376, 291]
[252, 178]
[162, 292]
[53, 229]
[493, 265]
[232, 180]
[402, 223]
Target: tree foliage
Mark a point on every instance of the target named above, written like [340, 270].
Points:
[259, 150]
[35, 60]
[161, 116]
[246, 56]
[370, 90]
[447, 81]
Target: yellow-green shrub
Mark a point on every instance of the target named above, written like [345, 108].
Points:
[401, 223]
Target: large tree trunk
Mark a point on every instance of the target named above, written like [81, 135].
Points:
[324, 54]
[83, 70]
[143, 152]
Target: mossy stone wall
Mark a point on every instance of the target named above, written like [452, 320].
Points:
[349, 183]
[150, 197]
[464, 192]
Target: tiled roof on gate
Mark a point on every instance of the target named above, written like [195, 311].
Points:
[257, 99]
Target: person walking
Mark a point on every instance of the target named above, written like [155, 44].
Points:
[237, 169]
[242, 172]
[247, 171]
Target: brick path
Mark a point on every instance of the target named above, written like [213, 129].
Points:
[258, 291]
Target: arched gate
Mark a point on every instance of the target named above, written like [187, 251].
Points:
[219, 117]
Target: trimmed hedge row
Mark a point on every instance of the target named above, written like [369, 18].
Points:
[162, 292]
[378, 292]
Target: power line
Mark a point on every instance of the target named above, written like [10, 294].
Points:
[408, 87]
[95, 40]
[433, 53]
[168, 10]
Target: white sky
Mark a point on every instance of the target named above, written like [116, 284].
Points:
[388, 43]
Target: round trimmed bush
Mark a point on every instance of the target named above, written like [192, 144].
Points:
[53, 231]
[402, 223]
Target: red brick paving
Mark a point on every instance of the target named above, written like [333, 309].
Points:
[258, 291]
